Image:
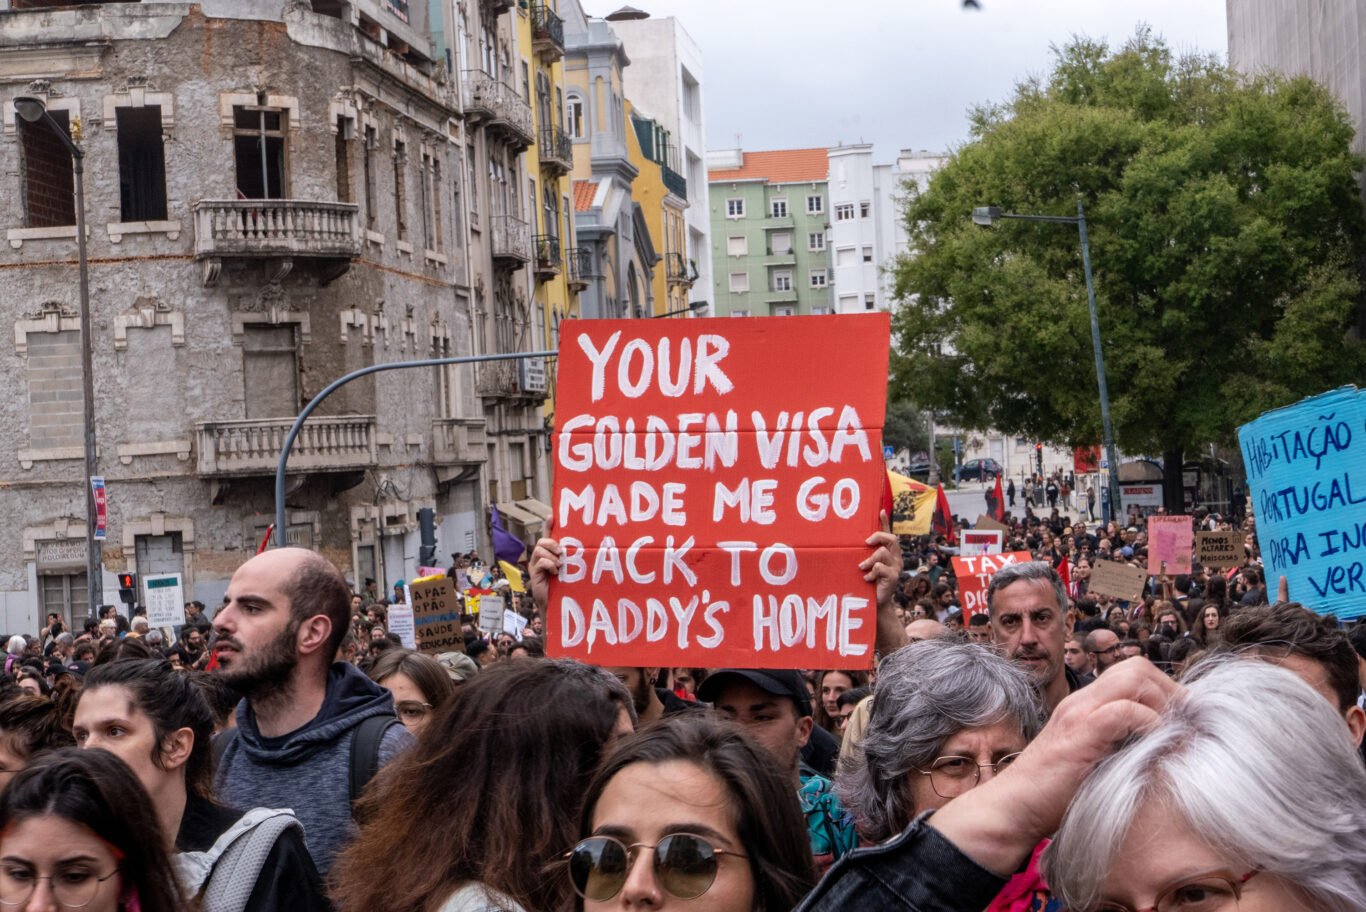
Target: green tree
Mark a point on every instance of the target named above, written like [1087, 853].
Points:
[905, 427]
[1226, 236]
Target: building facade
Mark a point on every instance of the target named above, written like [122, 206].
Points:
[506, 55]
[610, 225]
[661, 193]
[665, 82]
[289, 215]
[770, 221]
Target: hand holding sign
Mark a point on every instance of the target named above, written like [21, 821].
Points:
[713, 491]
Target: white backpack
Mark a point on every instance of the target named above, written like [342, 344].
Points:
[224, 876]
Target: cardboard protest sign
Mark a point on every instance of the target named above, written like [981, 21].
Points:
[981, 541]
[401, 625]
[714, 490]
[490, 613]
[436, 615]
[1118, 580]
[974, 576]
[1306, 468]
[986, 522]
[1170, 540]
[1219, 550]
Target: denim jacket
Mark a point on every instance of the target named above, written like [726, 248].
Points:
[918, 871]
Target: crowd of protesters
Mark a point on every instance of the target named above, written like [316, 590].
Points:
[1196, 749]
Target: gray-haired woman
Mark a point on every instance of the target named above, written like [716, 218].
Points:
[1248, 795]
[946, 716]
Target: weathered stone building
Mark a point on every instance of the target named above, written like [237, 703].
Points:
[275, 196]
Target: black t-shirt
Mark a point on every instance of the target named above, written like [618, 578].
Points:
[822, 752]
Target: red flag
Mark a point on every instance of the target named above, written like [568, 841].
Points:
[1065, 571]
[943, 519]
[998, 509]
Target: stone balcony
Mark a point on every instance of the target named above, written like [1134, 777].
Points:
[500, 108]
[459, 446]
[279, 230]
[252, 447]
[511, 240]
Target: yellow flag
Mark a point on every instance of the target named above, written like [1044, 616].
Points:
[912, 505]
[514, 576]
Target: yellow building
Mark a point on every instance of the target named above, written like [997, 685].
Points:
[660, 191]
[556, 267]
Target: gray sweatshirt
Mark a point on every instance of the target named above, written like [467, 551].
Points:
[308, 770]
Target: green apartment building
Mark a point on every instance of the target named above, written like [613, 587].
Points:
[769, 222]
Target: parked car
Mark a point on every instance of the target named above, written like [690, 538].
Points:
[977, 470]
[919, 470]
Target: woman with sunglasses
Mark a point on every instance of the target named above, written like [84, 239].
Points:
[77, 831]
[692, 815]
[947, 716]
[418, 682]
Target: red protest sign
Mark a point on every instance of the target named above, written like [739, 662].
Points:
[974, 576]
[715, 482]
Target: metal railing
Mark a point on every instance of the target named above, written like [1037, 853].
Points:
[557, 148]
[252, 447]
[275, 227]
[579, 261]
[547, 31]
[487, 98]
[548, 257]
[674, 182]
[676, 268]
[511, 238]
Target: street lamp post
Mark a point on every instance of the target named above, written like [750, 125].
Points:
[986, 216]
[33, 110]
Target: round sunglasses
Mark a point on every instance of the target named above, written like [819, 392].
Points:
[685, 865]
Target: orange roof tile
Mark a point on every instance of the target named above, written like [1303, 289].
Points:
[778, 167]
[584, 191]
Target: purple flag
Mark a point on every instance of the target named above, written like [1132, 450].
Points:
[506, 546]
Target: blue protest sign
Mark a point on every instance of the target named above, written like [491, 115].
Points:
[1306, 470]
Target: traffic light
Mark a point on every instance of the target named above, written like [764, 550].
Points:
[128, 588]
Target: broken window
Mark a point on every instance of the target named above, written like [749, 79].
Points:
[258, 138]
[401, 188]
[48, 175]
[142, 164]
[368, 167]
[270, 371]
[341, 150]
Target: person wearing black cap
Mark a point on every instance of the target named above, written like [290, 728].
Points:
[775, 708]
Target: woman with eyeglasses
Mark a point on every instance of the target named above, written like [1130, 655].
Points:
[77, 831]
[472, 817]
[1247, 795]
[690, 815]
[946, 717]
[418, 682]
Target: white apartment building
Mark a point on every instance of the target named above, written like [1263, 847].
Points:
[866, 231]
[664, 81]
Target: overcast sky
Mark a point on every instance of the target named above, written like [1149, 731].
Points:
[897, 73]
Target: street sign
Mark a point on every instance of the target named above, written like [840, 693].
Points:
[165, 600]
[888, 453]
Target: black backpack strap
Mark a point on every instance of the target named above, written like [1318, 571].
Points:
[366, 739]
[220, 745]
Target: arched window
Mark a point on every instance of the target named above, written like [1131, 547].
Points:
[574, 115]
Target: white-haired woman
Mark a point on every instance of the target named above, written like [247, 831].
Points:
[946, 717]
[14, 653]
[1248, 795]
